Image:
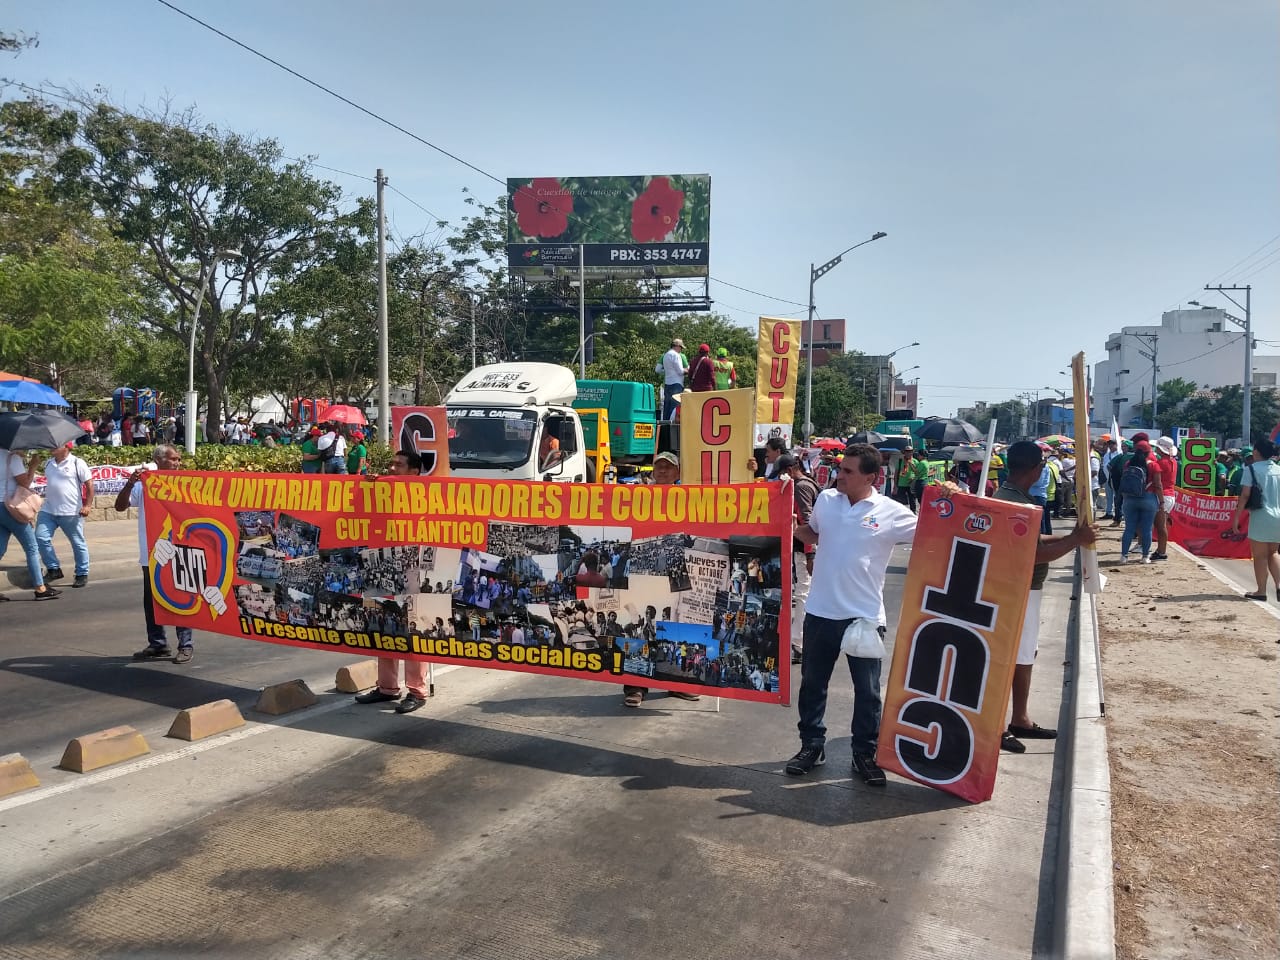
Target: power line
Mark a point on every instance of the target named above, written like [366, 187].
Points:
[333, 93]
[416, 204]
[757, 293]
[1243, 259]
[1261, 266]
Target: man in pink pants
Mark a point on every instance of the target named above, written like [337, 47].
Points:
[405, 463]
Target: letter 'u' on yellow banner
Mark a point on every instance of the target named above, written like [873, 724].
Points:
[957, 643]
[777, 375]
[715, 436]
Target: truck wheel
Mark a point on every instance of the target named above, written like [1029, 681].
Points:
[591, 470]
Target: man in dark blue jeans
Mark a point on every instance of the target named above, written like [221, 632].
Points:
[855, 529]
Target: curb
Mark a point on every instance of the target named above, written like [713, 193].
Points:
[100, 572]
[1084, 923]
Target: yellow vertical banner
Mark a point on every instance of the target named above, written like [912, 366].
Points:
[962, 608]
[777, 374]
[715, 436]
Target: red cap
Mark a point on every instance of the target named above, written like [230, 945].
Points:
[703, 348]
[314, 432]
[1142, 445]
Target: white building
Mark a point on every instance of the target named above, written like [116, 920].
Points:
[1201, 346]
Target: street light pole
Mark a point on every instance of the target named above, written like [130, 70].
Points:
[814, 274]
[880, 375]
[1246, 383]
[193, 401]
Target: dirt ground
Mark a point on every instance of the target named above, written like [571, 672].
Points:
[1193, 725]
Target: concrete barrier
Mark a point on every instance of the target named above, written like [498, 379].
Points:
[357, 676]
[16, 775]
[102, 749]
[1085, 899]
[285, 698]
[196, 723]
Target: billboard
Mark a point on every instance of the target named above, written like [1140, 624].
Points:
[674, 587]
[658, 225]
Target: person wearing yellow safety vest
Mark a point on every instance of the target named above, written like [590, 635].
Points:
[726, 376]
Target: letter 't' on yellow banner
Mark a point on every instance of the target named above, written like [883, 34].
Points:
[715, 436]
[777, 374]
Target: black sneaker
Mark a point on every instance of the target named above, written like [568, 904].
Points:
[804, 761]
[376, 696]
[1159, 556]
[48, 593]
[152, 652]
[410, 703]
[82, 579]
[866, 767]
[53, 573]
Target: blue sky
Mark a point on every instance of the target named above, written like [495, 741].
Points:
[1046, 172]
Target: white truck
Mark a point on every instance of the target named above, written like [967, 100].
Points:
[516, 421]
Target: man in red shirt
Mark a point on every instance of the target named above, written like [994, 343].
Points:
[1167, 453]
[702, 371]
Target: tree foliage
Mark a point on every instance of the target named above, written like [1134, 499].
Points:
[1223, 415]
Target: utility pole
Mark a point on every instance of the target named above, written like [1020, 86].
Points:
[1246, 384]
[1154, 357]
[384, 346]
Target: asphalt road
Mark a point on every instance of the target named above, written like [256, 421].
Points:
[513, 816]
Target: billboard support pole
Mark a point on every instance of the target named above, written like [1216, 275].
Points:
[582, 312]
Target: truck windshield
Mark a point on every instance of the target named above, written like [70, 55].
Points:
[490, 436]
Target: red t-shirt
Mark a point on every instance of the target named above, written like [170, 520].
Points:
[1169, 474]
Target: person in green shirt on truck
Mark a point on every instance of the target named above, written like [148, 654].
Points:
[726, 376]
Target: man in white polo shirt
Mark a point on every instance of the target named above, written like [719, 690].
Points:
[855, 529]
[68, 498]
[168, 457]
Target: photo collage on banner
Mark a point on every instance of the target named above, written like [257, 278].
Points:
[675, 608]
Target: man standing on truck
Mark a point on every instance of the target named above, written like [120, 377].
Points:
[673, 368]
[702, 374]
[726, 376]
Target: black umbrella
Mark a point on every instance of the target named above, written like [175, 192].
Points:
[950, 431]
[969, 455]
[896, 443]
[37, 430]
[868, 436]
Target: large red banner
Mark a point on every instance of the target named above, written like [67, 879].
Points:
[957, 641]
[1202, 525]
[675, 587]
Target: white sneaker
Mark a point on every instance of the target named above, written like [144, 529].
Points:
[1146, 559]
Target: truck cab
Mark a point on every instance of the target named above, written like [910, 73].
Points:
[515, 421]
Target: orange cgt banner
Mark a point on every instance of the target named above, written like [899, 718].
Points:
[425, 431]
[962, 610]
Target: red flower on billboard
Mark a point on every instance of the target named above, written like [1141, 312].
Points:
[656, 212]
[542, 208]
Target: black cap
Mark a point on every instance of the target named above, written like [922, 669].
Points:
[784, 462]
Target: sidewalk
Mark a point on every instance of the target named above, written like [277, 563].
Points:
[113, 555]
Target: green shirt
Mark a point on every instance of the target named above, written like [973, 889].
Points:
[920, 470]
[310, 466]
[1012, 494]
[357, 453]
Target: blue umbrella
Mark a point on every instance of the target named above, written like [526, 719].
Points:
[24, 391]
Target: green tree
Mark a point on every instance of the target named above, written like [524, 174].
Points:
[1223, 414]
[180, 192]
[66, 286]
[1171, 393]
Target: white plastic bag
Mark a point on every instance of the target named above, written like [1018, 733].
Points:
[862, 639]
